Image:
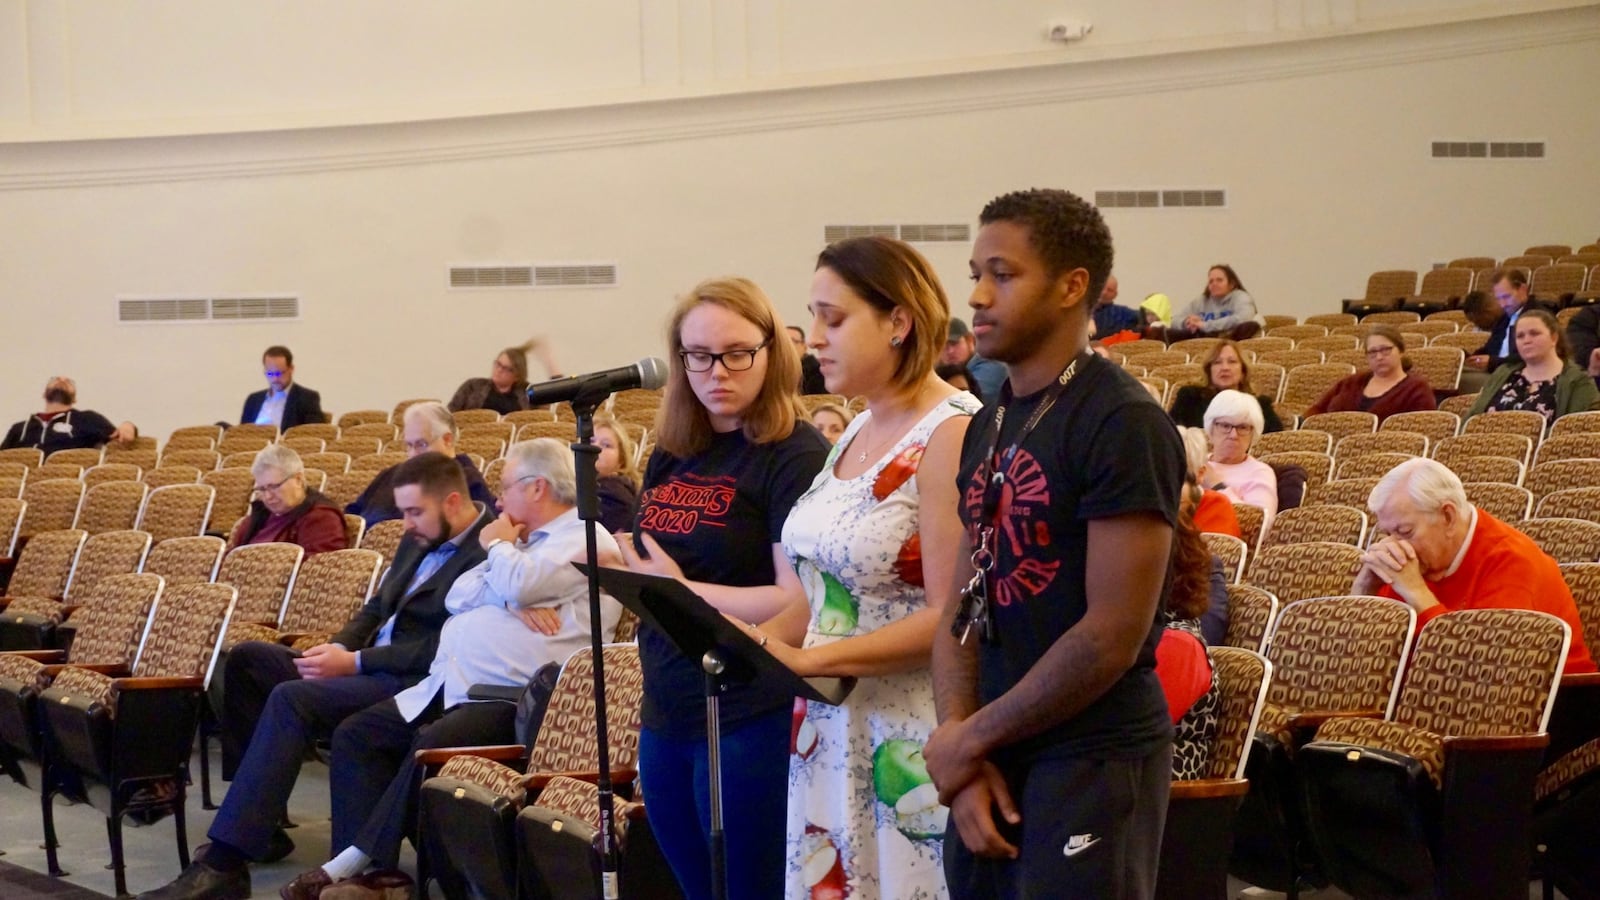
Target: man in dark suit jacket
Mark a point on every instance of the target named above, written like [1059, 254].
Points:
[1511, 293]
[279, 704]
[284, 403]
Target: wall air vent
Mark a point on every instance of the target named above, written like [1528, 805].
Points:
[959, 232]
[201, 309]
[1158, 199]
[537, 275]
[1488, 149]
[831, 233]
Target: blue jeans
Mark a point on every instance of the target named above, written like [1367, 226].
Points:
[675, 774]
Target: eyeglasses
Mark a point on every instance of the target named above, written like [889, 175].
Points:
[732, 360]
[1230, 428]
[418, 446]
[264, 489]
[274, 373]
[507, 486]
[1381, 351]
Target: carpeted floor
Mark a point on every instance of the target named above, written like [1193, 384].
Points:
[17, 883]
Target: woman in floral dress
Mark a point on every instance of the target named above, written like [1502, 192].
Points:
[877, 525]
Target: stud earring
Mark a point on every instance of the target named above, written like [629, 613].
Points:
[896, 341]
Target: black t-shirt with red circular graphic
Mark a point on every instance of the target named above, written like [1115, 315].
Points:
[1104, 449]
[718, 515]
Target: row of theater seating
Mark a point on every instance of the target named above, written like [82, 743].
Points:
[1556, 275]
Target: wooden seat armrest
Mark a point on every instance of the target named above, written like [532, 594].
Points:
[438, 756]
[535, 781]
[171, 683]
[44, 656]
[1504, 743]
[68, 609]
[1580, 679]
[289, 637]
[1304, 724]
[1206, 788]
[636, 813]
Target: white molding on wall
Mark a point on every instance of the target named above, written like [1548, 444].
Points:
[682, 115]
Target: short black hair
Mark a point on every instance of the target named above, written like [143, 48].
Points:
[279, 351]
[797, 330]
[1064, 229]
[438, 475]
[1476, 302]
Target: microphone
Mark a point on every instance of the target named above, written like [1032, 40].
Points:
[649, 373]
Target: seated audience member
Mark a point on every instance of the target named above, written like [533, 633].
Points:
[506, 388]
[1223, 309]
[429, 427]
[283, 509]
[1481, 310]
[619, 475]
[1510, 290]
[959, 378]
[831, 419]
[962, 350]
[522, 607]
[1157, 311]
[1213, 513]
[279, 704]
[1543, 378]
[1388, 386]
[62, 427]
[284, 403]
[1583, 336]
[1197, 609]
[1232, 421]
[1225, 369]
[1443, 554]
[1109, 318]
[811, 381]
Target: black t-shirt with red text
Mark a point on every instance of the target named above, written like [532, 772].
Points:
[1105, 449]
[718, 515]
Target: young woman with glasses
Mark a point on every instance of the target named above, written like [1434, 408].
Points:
[1389, 385]
[733, 452]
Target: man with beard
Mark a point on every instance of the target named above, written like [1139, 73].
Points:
[525, 581]
[61, 427]
[1054, 744]
[279, 702]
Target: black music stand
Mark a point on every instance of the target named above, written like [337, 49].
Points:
[727, 655]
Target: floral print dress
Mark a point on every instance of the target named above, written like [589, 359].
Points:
[864, 818]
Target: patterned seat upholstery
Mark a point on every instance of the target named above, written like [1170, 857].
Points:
[1409, 443]
[233, 491]
[1251, 521]
[114, 618]
[1178, 375]
[362, 417]
[111, 506]
[332, 463]
[1576, 423]
[344, 489]
[1506, 502]
[329, 588]
[1572, 503]
[264, 574]
[320, 430]
[1568, 540]
[104, 555]
[1441, 366]
[1336, 524]
[143, 457]
[52, 505]
[1341, 424]
[28, 456]
[1300, 441]
[52, 471]
[106, 472]
[1511, 421]
[1489, 469]
[46, 564]
[1370, 465]
[1231, 550]
[11, 512]
[1351, 492]
[185, 560]
[1576, 445]
[385, 538]
[202, 459]
[1296, 332]
[171, 474]
[1484, 443]
[177, 510]
[1435, 424]
[1318, 466]
[303, 444]
[83, 458]
[248, 438]
[1298, 571]
[561, 431]
[1336, 653]
[376, 462]
[355, 445]
[1258, 345]
[1482, 674]
[1547, 478]
[1251, 613]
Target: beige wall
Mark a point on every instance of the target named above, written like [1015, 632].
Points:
[1315, 117]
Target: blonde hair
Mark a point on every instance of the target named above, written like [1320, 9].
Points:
[683, 427]
[628, 466]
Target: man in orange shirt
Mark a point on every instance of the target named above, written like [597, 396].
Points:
[1444, 554]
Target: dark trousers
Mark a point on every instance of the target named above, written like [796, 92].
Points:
[1240, 332]
[296, 714]
[375, 776]
[1090, 828]
[675, 774]
[239, 694]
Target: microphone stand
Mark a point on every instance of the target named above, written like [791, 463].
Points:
[586, 455]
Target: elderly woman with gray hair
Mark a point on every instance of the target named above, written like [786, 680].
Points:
[1232, 422]
[283, 509]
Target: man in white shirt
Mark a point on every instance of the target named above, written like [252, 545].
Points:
[522, 607]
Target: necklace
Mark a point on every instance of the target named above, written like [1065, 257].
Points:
[870, 448]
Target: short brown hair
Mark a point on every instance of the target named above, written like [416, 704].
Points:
[1393, 336]
[280, 352]
[887, 273]
[437, 475]
[683, 427]
[1563, 349]
[1244, 364]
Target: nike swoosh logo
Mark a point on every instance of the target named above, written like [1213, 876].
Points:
[1072, 849]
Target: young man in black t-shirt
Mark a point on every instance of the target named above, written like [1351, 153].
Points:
[1054, 747]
